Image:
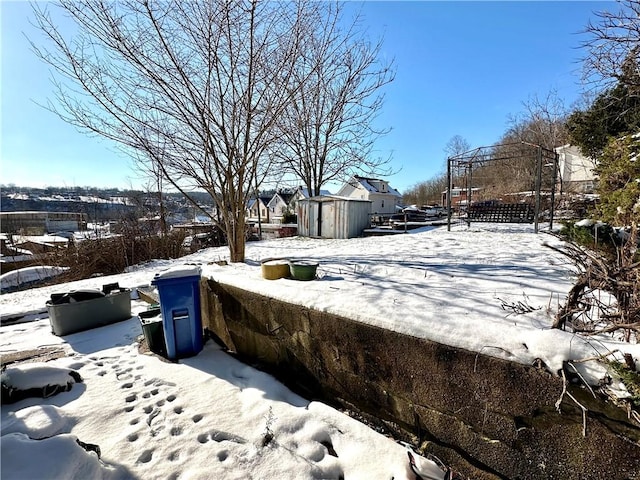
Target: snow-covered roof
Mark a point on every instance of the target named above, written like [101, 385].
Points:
[29, 275]
[369, 184]
[39, 239]
[19, 251]
[263, 199]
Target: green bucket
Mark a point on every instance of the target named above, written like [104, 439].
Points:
[301, 270]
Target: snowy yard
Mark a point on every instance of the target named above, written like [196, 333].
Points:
[210, 416]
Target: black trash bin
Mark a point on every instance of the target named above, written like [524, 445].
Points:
[151, 322]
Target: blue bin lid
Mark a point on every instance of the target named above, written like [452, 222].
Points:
[179, 272]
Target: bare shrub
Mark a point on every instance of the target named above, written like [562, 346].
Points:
[606, 295]
[110, 256]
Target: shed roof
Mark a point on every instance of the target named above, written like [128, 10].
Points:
[304, 191]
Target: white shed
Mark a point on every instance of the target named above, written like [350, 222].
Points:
[332, 217]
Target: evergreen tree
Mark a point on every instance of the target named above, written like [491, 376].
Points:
[614, 113]
[619, 186]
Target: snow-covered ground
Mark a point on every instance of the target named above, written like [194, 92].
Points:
[210, 416]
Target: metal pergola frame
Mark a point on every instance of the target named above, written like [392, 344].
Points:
[485, 155]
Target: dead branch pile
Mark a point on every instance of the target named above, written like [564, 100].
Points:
[606, 295]
[110, 256]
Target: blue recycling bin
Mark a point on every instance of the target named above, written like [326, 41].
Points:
[179, 292]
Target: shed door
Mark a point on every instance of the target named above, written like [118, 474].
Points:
[328, 220]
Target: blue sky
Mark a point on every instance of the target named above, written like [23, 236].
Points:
[462, 69]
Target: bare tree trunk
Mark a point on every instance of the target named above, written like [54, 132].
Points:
[237, 243]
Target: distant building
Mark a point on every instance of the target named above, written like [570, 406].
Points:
[257, 208]
[458, 197]
[303, 192]
[39, 223]
[279, 205]
[383, 198]
[576, 170]
[40, 244]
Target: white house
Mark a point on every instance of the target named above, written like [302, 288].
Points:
[260, 203]
[383, 198]
[576, 170]
[278, 206]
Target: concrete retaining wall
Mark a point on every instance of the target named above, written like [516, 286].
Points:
[486, 417]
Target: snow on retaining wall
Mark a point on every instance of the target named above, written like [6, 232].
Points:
[486, 417]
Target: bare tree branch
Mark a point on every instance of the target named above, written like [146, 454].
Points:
[328, 132]
[613, 48]
[191, 90]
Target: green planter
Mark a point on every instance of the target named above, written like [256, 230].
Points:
[303, 270]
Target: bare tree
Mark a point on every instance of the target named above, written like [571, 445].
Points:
[190, 89]
[456, 145]
[541, 122]
[328, 132]
[426, 192]
[613, 48]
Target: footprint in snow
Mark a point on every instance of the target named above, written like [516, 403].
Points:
[153, 415]
[220, 436]
[145, 457]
